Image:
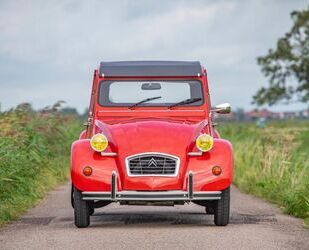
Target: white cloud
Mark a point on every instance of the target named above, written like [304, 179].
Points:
[48, 32]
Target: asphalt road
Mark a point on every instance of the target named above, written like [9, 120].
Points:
[255, 224]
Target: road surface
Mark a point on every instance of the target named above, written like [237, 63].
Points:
[255, 224]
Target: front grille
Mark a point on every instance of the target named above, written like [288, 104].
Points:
[152, 164]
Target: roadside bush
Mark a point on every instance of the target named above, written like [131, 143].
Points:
[34, 156]
[273, 162]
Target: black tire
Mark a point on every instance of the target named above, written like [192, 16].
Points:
[91, 207]
[209, 210]
[222, 209]
[72, 196]
[81, 210]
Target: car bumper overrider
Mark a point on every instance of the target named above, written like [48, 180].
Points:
[129, 195]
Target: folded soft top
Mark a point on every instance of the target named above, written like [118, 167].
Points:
[150, 68]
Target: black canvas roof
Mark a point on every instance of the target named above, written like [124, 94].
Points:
[150, 68]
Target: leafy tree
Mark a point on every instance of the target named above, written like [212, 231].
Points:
[287, 64]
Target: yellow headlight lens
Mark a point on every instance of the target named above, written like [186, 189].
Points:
[204, 142]
[99, 142]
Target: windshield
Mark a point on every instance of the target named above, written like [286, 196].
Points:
[128, 93]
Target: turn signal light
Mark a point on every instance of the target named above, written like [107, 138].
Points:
[87, 171]
[216, 170]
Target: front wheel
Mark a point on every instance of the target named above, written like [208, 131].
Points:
[91, 207]
[222, 209]
[81, 210]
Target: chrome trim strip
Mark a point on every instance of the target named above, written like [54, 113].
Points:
[108, 154]
[156, 154]
[153, 196]
[200, 153]
[129, 192]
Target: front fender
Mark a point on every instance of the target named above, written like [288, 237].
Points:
[83, 155]
[220, 155]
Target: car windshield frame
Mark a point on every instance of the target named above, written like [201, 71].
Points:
[105, 84]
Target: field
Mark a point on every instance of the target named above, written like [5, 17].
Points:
[273, 162]
[34, 156]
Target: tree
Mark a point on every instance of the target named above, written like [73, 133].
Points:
[287, 64]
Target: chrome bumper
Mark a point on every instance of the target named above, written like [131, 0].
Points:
[177, 195]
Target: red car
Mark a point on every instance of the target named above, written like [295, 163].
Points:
[150, 140]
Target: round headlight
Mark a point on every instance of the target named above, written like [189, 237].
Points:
[99, 142]
[204, 142]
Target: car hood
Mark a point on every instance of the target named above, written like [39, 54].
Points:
[150, 136]
[140, 136]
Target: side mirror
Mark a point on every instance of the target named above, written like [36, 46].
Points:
[223, 108]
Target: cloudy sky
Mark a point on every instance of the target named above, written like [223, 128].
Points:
[48, 49]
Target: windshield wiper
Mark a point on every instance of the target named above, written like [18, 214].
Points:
[145, 100]
[187, 101]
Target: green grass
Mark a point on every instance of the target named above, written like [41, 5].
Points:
[273, 162]
[34, 157]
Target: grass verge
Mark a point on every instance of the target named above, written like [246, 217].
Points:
[273, 163]
[34, 156]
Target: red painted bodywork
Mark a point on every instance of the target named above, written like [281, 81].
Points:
[150, 129]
